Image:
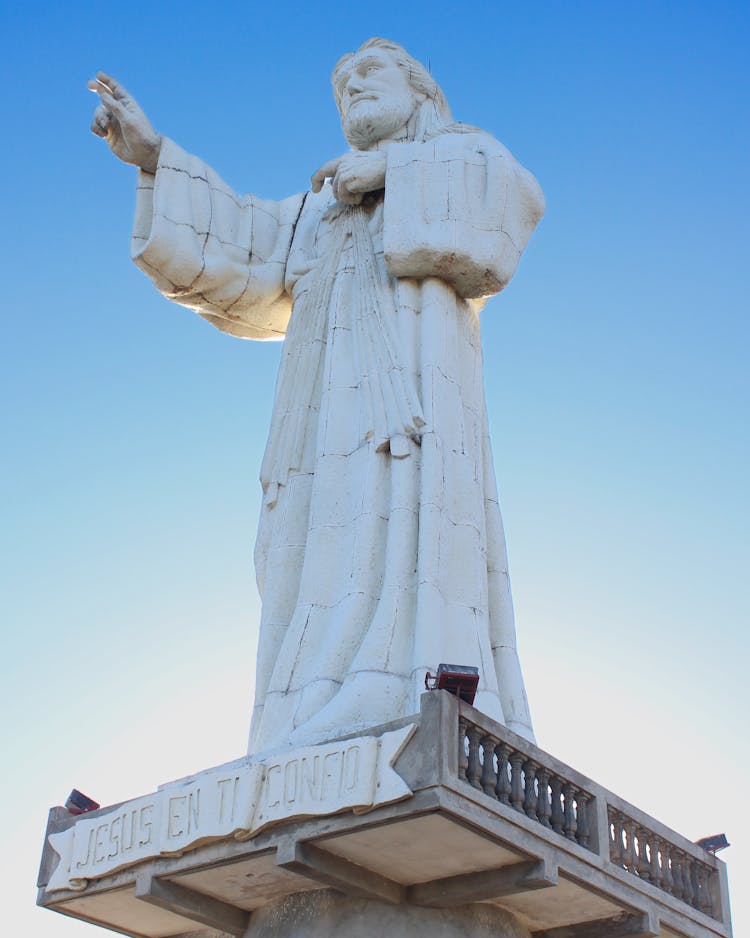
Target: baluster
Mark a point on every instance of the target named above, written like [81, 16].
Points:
[697, 898]
[502, 789]
[676, 874]
[516, 790]
[570, 824]
[687, 886]
[463, 761]
[644, 867]
[629, 860]
[615, 836]
[686, 890]
[687, 879]
[704, 891]
[472, 770]
[655, 870]
[529, 799]
[488, 778]
[666, 868]
[557, 816]
[698, 884]
[584, 827]
[543, 809]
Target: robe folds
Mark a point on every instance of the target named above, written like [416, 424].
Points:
[380, 549]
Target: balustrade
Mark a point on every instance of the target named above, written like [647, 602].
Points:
[653, 859]
[537, 791]
[532, 789]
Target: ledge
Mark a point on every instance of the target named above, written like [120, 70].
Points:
[463, 811]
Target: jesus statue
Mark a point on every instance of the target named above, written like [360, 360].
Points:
[380, 549]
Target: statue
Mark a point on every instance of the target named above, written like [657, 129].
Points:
[380, 549]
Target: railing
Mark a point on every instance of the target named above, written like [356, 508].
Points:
[536, 785]
[527, 785]
[652, 858]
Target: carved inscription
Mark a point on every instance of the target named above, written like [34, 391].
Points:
[319, 780]
[206, 807]
[312, 778]
[121, 837]
[228, 788]
[183, 814]
[351, 775]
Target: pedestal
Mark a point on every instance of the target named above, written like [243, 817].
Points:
[444, 824]
[327, 913]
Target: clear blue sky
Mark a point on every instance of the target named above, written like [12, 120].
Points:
[617, 384]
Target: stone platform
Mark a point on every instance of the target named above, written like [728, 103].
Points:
[444, 824]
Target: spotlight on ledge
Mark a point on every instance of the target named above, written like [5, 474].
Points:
[714, 843]
[458, 679]
[78, 803]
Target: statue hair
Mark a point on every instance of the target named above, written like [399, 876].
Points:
[433, 114]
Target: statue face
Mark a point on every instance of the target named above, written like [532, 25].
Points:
[376, 98]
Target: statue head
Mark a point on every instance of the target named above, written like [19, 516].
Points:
[382, 93]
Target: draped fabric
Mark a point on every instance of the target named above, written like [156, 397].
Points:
[380, 549]
[390, 403]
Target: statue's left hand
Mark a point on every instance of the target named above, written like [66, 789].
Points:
[352, 175]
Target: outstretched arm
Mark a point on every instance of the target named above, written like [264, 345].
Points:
[120, 120]
[201, 244]
[209, 249]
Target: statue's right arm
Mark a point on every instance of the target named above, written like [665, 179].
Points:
[202, 245]
[121, 121]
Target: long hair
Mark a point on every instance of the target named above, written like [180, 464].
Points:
[432, 115]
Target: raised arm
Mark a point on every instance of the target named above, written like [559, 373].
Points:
[202, 245]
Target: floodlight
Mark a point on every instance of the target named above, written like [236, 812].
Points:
[78, 803]
[458, 679]
[714, 843]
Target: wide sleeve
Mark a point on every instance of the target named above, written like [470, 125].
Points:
[458, 207]
[206, 248]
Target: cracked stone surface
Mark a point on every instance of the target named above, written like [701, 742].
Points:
[380, 550]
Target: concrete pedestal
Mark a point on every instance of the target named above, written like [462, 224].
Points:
[329, 914]
[445, 824]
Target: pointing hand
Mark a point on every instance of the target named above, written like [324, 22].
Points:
[122, 123]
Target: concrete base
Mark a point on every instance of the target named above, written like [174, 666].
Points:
[464, 829]
[328, 914]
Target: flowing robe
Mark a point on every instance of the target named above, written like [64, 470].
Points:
[380, 549]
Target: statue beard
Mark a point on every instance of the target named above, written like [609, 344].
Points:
[369, 122]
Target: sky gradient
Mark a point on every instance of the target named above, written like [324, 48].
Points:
[616, 372]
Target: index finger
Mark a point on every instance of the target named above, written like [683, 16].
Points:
[326, 171]
[99, 87]
[117, 89]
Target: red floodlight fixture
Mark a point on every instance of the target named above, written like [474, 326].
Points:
[78, 803]
[458, 679]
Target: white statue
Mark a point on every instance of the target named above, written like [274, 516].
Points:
[380, 549]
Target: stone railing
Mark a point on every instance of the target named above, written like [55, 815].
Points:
[511, 770]
[526, 784]
[640, 851]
